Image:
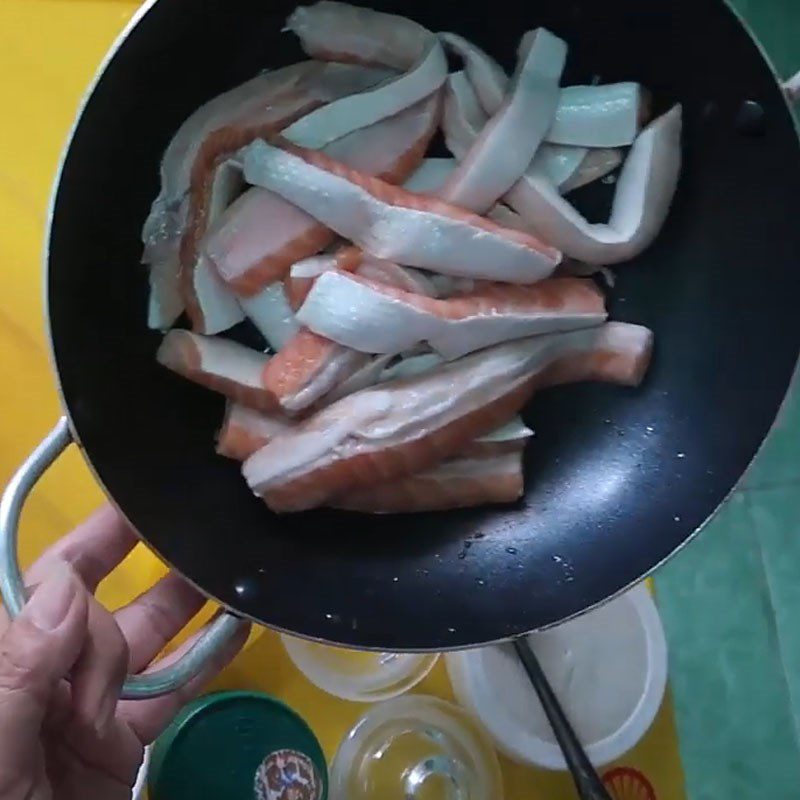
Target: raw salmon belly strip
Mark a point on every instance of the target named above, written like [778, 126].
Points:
[303, 274]
[430, 175]
[261, 235]
[459, 483]
[566, 167]
[224, 366]
[341, 32]
[463, 117]
[609, 115]
[245, 430]
[484, 74]
[507, 143]
[165, 222]
[376, 318]
[642, 199]
[306, 369]
[245, 105]
[482, 87]
[165, 302]
[211, 305]
[326, 83]
[394, 224]
[270, 312]
[407, 426]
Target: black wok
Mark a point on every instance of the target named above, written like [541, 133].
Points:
[616, 479]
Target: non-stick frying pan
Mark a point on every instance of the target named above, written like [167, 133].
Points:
[616, 479]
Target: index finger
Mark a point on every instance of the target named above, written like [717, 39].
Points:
[93, 548]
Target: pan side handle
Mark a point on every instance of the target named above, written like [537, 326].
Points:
[136, 687]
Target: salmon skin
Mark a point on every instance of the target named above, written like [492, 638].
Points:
[376, 318]
[397, 429]
[261, 235]
[458, 483]
[392, 223]
[598, 117]
[341, 32]
[642, 199]
[508, 142]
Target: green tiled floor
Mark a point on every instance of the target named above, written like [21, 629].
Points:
[730, 629]
[775, 515]
[778, 463]
[731, 600]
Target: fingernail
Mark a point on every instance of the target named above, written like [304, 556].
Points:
[53, 598]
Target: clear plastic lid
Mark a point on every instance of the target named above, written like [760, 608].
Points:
[416, 748]
[355, 675]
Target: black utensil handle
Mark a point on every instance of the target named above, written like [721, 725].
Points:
[586, 779]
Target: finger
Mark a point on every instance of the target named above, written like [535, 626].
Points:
[99, 672]
[37, 650]
[155, 617]
[149, 718]
[94, 548]
[75, 775]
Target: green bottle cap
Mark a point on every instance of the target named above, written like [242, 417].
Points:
[237, 746]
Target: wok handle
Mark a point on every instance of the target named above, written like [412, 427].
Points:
[136, 687]
[792, 88]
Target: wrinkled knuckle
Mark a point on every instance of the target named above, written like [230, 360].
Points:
[19, 666]
[121, 649]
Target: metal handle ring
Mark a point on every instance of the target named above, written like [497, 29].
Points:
[214, 636]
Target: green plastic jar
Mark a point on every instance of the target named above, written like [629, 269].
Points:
[237, 746]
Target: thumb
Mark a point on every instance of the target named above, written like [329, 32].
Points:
[37, 650]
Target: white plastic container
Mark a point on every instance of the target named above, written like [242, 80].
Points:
[137, 793]
[608, 669]
[358, 676]
[415, 746]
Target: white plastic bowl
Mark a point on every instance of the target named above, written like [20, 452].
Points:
[608, 669]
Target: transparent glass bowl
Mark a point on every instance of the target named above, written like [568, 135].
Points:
[416, 748]
[355, 675]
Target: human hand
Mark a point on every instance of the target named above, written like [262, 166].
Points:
[76, 740]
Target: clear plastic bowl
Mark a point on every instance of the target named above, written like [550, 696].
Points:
[358, 676]
[416, 748]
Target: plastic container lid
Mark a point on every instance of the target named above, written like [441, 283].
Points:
[358, 676]
[237, 746]
[608, 668]
[416, 746]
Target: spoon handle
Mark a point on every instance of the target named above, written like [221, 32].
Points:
[586, 779]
